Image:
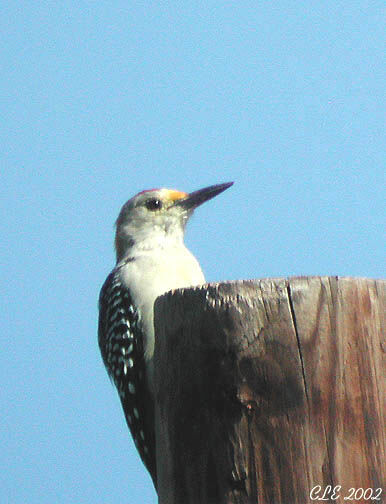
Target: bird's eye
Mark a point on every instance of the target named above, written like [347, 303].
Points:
[153, 204]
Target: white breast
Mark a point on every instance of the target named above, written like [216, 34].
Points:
[151, 274]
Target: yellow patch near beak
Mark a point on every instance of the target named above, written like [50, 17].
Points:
[176, 195]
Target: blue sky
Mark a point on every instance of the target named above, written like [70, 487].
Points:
[100, 100]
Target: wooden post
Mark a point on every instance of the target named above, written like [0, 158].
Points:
[271, 392]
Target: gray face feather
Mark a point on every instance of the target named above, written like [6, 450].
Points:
[153, 219]
[157, 218]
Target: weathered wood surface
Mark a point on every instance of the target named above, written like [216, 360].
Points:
[269, 388]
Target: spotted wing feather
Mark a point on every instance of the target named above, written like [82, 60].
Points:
[121, 345]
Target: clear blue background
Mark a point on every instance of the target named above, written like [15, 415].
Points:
[102, 99]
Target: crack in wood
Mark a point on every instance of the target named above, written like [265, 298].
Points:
[293, 317]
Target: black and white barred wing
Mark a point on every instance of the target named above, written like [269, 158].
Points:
[121, 345]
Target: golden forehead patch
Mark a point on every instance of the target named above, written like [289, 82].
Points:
[176, 195]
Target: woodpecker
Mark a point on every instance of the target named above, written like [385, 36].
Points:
[151, 259]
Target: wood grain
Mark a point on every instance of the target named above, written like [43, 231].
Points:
[268, 388]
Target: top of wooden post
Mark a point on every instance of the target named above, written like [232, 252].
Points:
[269, 388]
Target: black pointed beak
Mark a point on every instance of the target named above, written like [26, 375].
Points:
[197, 198]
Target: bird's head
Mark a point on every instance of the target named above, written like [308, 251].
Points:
[157, 217]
